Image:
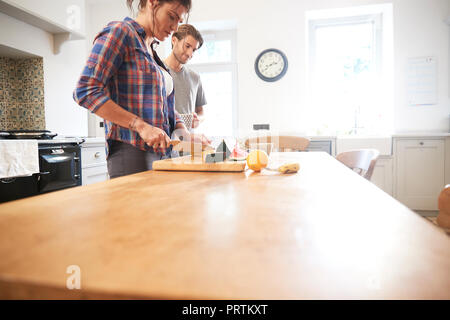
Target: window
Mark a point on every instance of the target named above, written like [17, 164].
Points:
[350, 74]
[215, 61]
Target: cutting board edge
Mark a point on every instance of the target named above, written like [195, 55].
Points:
[199, 170]
[170, 165]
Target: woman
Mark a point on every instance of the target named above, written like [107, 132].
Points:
[123, 84]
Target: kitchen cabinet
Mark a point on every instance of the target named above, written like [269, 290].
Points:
[383, 173]
[95, 174]
[320, 146]
[327, 145]
[419, 171]
[93, 161]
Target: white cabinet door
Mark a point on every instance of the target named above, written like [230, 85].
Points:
[325, 146]
[383, 173]
[93, 163]
[94, 175]
[420, 166]
[93, 156]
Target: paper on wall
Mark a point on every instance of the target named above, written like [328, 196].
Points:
[422, 81]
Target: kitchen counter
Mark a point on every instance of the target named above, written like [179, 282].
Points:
[59, 140]
[94, 140]
[82, 140]
[394, 135]
[323, 233]
[421, 134]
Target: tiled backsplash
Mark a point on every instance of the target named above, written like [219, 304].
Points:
[22, 94]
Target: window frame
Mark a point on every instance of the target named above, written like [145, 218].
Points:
[379, 17]
[375, 19]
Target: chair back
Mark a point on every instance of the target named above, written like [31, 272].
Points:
[281, 143]
[443, 218]
[361, 161]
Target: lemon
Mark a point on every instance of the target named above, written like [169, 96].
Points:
[257, 160]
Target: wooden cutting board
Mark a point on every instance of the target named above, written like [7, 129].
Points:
[186, 164]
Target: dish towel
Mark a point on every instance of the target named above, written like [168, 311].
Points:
[18, 158]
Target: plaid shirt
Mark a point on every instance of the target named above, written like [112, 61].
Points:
[121, 69]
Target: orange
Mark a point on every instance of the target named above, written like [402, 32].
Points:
[257, 160]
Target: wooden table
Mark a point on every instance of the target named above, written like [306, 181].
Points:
[323, 233]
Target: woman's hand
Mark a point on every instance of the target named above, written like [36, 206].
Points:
[154, 137]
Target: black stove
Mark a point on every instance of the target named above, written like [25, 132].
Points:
[59, 165]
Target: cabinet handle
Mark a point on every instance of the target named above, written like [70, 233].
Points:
[97, 155]
[42, 174]
[421, 143]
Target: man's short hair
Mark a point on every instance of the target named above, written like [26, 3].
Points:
[185, 30]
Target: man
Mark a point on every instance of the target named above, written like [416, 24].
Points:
[189, 94]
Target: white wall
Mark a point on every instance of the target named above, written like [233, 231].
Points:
[61, 72]
[419, 30]
[100, 13]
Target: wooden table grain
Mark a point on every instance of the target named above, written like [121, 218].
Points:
[323, 233]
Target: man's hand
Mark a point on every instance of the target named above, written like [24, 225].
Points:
[153, 136]
[195, 120]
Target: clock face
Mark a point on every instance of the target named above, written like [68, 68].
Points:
[271, 65]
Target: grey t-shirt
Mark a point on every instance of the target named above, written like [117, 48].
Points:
[188, 90]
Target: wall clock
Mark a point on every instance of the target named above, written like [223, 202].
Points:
[271, 65]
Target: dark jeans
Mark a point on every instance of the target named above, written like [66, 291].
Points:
[125, 159]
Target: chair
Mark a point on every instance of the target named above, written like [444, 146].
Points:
[443, 218]
[281, 143]
[361, 161]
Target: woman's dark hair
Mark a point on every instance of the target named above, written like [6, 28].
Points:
[142, 3]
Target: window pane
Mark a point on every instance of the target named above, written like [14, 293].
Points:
[345, 80]
[219, 111]
[213, 51]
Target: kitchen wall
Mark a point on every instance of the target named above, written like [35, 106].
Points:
[98, 14]
[61, 70]
[419, 31]
[22, 94]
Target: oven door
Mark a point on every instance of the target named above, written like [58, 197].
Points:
[18, 188]
[60, 167]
